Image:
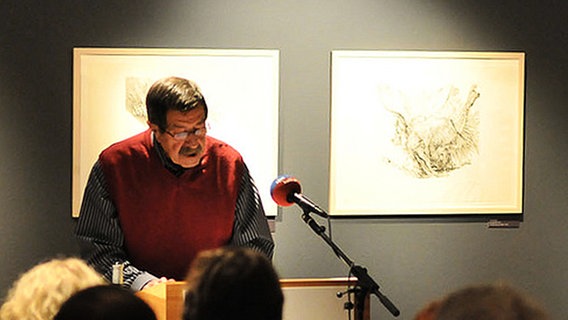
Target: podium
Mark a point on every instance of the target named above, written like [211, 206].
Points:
[312, 298]
[166, 299]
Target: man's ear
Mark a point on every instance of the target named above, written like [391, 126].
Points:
[153, 127]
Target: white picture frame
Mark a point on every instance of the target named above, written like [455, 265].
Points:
[426, 132]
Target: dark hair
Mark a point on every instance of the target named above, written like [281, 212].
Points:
[172, 93]
[233, 283]
[108, 302]
[484, 302]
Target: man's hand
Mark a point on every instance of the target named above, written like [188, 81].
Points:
[154, 282]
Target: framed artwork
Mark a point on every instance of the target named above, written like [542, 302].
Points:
[417, 132]
[241, 88]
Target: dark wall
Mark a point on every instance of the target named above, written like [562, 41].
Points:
[414, 260]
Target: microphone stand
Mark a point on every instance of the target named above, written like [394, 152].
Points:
[365, 282]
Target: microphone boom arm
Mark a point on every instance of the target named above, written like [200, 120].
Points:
[364, 280]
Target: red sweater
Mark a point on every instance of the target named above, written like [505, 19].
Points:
[167, 220]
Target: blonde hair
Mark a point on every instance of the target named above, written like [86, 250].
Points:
[39, 292]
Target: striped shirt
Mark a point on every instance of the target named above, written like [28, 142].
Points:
[101, 240]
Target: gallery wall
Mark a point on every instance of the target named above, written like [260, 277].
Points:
[414, 259]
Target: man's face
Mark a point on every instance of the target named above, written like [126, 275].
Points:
[184, 138]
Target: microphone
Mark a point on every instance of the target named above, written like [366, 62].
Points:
[286, 190]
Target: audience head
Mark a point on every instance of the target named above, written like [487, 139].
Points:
[430, 311]
[105, 302]
[39, 292]
[233, 283]
[484, 302]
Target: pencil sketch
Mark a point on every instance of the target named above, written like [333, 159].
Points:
[136, 89]
[426, 132]
[435, 132]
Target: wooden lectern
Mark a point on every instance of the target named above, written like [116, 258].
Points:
[166, 299]
[312, 299]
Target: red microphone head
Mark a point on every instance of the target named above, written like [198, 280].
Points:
[282, 187]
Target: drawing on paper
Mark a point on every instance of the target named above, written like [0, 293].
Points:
[435, 132]
[136, 89]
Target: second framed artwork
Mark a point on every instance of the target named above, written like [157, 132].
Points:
[239, 85]
[426, 132]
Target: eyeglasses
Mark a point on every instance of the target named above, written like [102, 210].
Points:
[199, 132]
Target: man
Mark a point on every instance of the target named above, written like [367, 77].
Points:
[232, 283]
[155, 200]
[105, 302]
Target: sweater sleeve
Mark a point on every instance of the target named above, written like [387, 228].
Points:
[99, 236]
[251, 225]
